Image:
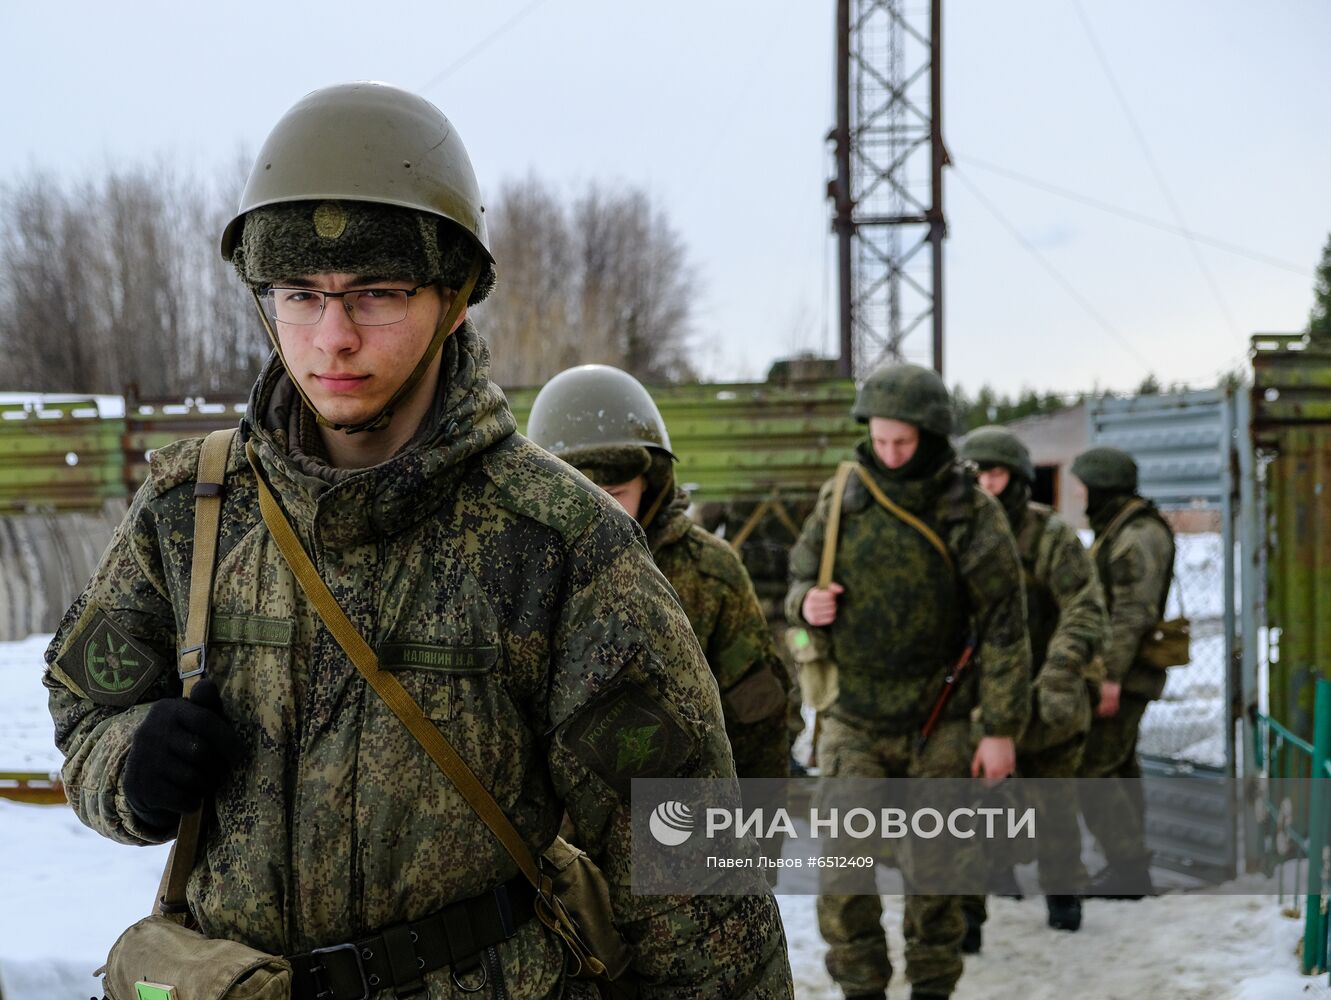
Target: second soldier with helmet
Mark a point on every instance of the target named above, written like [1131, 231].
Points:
[603, 422]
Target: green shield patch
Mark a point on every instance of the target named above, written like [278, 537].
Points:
[112, 666]
[626, 734]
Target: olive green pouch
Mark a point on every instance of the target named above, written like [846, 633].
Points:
[1169, 644]
[809, 648]
[159, 950]
[582, 887]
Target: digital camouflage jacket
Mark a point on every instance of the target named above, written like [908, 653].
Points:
[1065, 616]
[904, 617]
[719, 599]
[515, 603]
[1135, 562]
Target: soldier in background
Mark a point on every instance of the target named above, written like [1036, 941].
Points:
[1065, 616]
[603, 422]
[1134, 557]
[516, 604]
[899, 614]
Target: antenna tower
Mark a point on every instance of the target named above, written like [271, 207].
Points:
[887, 192]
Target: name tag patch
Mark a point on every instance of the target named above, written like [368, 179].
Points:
[440, 659]
[252, 630]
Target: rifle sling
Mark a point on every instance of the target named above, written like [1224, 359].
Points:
[192, 656]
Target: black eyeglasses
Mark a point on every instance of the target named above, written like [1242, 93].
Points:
[365, 306]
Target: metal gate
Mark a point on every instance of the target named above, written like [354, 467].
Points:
[1186, 449]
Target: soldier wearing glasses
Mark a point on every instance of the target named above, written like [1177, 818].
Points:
[514, 602]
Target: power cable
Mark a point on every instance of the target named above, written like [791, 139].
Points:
[1132, 216]
[1053, 271]
[1150, 160]
[479, 47]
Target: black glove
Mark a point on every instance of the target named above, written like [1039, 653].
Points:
[180, 753]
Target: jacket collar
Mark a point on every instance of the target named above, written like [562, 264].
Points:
[344, 507]
[918, 495]
[671, 524]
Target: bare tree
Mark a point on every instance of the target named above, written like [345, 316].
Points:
[118, 283]
[603, 279]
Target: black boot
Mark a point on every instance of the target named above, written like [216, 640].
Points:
[867, 996]
[1064, 912]
[970, 944]
[1121, 881]
[917, 995]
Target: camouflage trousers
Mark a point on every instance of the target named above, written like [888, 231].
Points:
[857, 957]
[1115, 809]
[1058, 850]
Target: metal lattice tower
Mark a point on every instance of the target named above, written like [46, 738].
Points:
[888, 189]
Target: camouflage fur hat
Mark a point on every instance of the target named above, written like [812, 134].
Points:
[295, 239]
[610, 465]
[1106, 468]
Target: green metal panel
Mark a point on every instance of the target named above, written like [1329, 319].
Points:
[738, 442]
[1291, 424]
[62, 456]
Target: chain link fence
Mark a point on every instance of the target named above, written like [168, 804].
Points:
[1190, 721]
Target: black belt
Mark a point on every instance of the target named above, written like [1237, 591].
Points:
[399, 956]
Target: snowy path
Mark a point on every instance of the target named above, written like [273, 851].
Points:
[1167, 948]
[65, 893]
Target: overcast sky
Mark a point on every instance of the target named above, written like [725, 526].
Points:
[720, 110]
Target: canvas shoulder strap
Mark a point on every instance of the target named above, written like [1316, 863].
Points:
[191, 657]
[899, 512]
[1130, 510]
[426, 733]
[833, 524]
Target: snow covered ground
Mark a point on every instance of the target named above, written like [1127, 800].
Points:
[65, 893]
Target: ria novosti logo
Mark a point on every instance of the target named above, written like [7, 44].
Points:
[671, 823]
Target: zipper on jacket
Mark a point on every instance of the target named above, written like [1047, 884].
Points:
[496, 973]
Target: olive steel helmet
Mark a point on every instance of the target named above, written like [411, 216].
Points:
[994, 445]
[596, 407]
[369, 142]
[905, 392]
[1106, 468]
[365, 141]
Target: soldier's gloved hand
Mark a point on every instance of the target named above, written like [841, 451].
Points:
[179, 754]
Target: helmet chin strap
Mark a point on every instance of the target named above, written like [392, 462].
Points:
[667, 490]
[381, 419]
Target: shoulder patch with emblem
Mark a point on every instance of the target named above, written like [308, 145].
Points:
[626, 735]
[112, 666]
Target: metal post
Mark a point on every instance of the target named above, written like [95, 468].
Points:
[937, 227]
[1233, 711]
[1252, 590]
[1313, 959]
[843, 222]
